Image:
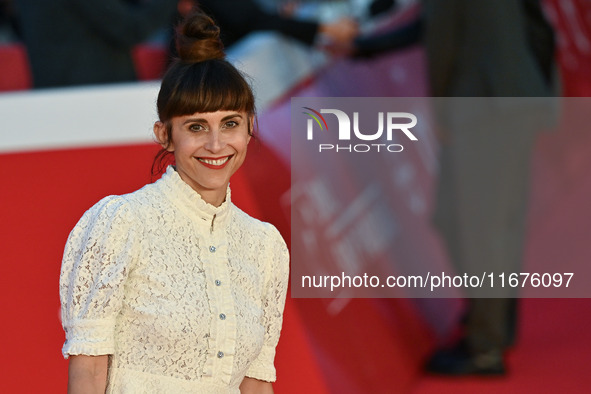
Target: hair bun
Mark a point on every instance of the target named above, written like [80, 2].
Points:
[198, 39]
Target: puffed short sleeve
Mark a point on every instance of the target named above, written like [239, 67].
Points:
[276, 281]
[99, 253]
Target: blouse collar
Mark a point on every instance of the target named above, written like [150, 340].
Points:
[190, 201]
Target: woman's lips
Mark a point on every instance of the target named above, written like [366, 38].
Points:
[214, 163]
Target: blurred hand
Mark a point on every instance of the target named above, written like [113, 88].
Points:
[342, 32]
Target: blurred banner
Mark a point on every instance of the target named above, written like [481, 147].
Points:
[572, 23]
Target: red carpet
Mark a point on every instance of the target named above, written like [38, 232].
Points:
[553, 354]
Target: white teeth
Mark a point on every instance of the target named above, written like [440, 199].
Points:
[217, 162]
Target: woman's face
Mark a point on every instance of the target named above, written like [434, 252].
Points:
[208, 149]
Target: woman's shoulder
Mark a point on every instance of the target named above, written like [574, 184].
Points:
[127, 206]
[109, 206]
[145, 196]
[110, 209]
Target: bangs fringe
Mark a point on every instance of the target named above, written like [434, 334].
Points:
[208, 86]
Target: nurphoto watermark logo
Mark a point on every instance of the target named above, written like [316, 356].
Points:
[388, 123]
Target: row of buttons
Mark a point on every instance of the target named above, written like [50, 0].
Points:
[218, 282]
[222, 317]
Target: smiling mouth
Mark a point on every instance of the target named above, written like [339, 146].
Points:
[214, 162]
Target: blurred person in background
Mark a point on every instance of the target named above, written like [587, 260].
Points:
[81, 42]
[238, 18]
[481, 48]
[9, 31]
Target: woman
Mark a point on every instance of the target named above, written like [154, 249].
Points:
[172, 288]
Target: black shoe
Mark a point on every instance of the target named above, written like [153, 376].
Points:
[458, 361]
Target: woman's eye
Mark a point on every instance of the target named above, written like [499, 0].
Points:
[231, 124]
[196, 127]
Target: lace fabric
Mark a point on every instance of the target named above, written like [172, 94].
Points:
[183, 295]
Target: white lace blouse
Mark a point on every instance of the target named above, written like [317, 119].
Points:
[184, 296]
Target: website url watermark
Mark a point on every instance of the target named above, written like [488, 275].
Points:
[439, 280]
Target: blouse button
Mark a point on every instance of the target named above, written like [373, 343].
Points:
[212, 249]
[220, 354]
[218, 282]
[222, 316]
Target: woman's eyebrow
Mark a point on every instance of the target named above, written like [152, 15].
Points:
[232, 116]
[191, 120]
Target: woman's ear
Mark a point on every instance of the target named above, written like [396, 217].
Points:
[161, 134]
[250, 128]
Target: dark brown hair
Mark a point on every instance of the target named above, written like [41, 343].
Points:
[199, 80]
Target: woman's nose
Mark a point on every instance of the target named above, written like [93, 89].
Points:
[214, 141]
